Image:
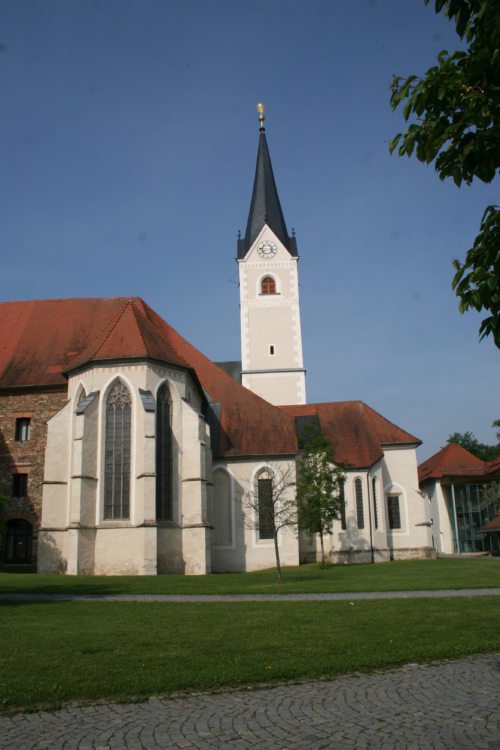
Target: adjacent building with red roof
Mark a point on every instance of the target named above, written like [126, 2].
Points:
[125, 450]
[464, 495]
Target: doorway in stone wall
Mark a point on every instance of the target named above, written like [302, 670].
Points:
[18, 541]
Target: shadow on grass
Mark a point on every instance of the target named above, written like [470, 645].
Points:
[310, 578]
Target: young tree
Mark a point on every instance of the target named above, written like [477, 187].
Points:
[271, 506]
[320, 485]
[455, 123]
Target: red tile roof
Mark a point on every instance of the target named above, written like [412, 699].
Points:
[357, 432]
[494, 466]
[43, 339]
[452, 461]
[493, 525]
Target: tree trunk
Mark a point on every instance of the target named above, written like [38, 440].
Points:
[322, 549]
[278, 564]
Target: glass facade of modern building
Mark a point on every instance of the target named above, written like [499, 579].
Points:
[470, 507]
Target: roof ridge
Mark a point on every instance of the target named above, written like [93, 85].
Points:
[129, 298]
[93, 349]
[393, 424]
[452, 447]
[113, 325]
[134, 312]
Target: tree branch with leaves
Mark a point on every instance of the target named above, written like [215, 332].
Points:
[320, 485]
[454, 121]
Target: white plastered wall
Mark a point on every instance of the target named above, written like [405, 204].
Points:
[394, 474]
[75, 537]
[245, 551]
[271, 320]
[400, 477]
[442, 522]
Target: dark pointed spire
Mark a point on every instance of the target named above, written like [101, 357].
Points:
[265, 207]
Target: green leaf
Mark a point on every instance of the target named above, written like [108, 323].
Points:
[394, 142]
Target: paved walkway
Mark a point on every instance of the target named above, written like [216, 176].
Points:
[341, 597]
[443, 705]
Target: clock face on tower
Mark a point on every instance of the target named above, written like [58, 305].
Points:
[267, 249]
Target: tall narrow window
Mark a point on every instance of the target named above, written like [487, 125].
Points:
[266, 515]
[117, 452]
[393, 512]
[268, 285]
[164, 506]
[23, 429]
[223, 517]
[343, 522]
[360, 512]
[375, 507]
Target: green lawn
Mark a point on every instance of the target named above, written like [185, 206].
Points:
[56, 652]
[451, 573]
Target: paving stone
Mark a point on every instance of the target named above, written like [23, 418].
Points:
[435, 707]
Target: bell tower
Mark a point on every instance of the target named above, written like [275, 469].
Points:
[271, 339]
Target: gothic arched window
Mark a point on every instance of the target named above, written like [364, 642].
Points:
[360, 513]
[266, 507]
[117, 452]
[268, 285]
[164, 454]
[375, 504]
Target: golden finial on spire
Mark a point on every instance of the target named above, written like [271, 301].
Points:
[261, 109]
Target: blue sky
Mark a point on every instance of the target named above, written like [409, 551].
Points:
[127, 153]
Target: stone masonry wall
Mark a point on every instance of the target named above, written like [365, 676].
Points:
[25, 458]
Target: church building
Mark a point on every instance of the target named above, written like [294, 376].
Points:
[125, 450]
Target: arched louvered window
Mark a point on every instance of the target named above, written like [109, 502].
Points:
[375, 504]
[266, 509]
[268, 285]
[117, 452]
[164, 505]
[360, 512]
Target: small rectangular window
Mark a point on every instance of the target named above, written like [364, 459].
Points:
[19, 485]
[271, 349]
[23, 429]
[393, 512]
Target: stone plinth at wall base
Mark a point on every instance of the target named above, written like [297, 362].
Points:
[170, 550]
[380, 555]
[349, 556]
[196, 550]
[414, 553]
[101, 551]
[80, 551]
[128, 550]
[52, 551]
[309, 556]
